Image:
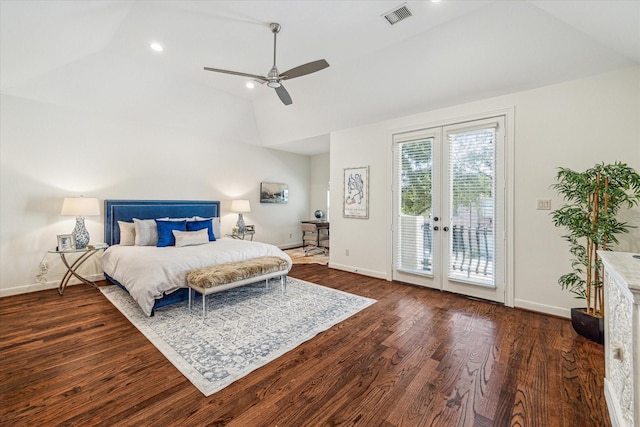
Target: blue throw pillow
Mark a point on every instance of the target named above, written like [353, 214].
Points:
[165, 232]
[200, 225]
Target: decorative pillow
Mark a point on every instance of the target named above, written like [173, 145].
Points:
[146, 232]
[205, 224]
[165, 229]
[127, 233]
[191, 238]
[216, 225]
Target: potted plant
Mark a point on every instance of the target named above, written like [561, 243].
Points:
[593, 199]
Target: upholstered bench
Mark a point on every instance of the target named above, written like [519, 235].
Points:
[217, 278]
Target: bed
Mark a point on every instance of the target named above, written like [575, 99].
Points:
[156, 276]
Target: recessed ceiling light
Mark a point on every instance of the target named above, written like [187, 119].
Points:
[250, 85]
[156, 46]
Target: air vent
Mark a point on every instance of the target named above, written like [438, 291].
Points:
[397, 14]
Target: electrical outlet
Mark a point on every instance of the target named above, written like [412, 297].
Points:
[346, 252]
[543, 204]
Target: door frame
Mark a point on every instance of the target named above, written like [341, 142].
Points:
[509, 174]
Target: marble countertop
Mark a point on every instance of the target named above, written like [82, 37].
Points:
[625, 265]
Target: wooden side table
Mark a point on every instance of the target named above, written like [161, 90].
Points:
[72, 267]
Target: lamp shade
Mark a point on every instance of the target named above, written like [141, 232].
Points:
[240, 206]
[80, 206]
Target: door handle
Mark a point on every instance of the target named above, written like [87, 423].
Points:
[436, 228]
[446, 228]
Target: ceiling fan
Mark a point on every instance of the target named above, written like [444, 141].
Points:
[274, 78]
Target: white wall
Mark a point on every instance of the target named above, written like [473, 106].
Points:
[320, 172]
[50, 152]
[574, 124]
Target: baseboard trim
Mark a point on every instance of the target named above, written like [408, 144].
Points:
[365, 272]
[543, 308]
[36, 287]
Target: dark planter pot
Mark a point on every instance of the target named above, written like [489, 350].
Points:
[590, 327]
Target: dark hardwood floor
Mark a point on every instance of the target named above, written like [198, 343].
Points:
[417, 357]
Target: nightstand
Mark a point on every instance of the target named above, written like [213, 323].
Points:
[249, 231]
[72, 268]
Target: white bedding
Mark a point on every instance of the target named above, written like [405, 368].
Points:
[149, 272]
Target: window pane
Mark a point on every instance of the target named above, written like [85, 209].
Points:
[414, 169]
[472, 178]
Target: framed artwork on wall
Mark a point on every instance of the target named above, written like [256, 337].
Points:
[273, 192]
[356, 193]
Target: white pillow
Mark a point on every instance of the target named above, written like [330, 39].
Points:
[127, 233]
[166, 218]
[191, 238]
[216, 225]
[146, 232]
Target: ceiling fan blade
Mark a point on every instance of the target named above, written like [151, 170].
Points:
[236, 73]
[303, 70]
[284, 95]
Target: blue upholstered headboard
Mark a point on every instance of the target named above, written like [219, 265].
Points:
[126, 210]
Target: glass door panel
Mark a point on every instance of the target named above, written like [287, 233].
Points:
[416, 196]
[416, 241]
[472, 190]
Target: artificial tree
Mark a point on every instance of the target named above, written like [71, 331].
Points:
[593, 199]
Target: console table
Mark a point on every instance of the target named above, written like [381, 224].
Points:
[622, 337]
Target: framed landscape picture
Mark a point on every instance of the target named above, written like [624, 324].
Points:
[273, 192]
[356, 192]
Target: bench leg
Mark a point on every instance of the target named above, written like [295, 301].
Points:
[266, 284]
[189, 299]
[204, 305]
[283, 282]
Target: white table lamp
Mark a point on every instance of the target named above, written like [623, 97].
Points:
[240, 206]
[80, 207]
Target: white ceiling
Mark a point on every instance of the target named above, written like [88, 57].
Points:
[95, 56]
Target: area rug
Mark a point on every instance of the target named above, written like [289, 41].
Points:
[245, 328]
[298, 257]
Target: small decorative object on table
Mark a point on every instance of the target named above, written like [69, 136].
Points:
[249, 230]
[66, 242]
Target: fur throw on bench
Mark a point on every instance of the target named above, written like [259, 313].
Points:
[218, 275]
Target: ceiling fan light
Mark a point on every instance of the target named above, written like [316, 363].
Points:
[250, 85]
[274, 84]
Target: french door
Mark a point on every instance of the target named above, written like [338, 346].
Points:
[448, 208]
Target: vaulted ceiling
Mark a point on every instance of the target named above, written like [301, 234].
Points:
[94, 56]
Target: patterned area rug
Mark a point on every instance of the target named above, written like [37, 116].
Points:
[298, 257]
[245, 327]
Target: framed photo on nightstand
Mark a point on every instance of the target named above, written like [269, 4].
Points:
[66, 242]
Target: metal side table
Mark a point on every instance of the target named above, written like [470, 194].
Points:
[72, 267]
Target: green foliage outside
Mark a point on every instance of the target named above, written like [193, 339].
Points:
[472, 174]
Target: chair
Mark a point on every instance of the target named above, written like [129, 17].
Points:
[315, 238]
